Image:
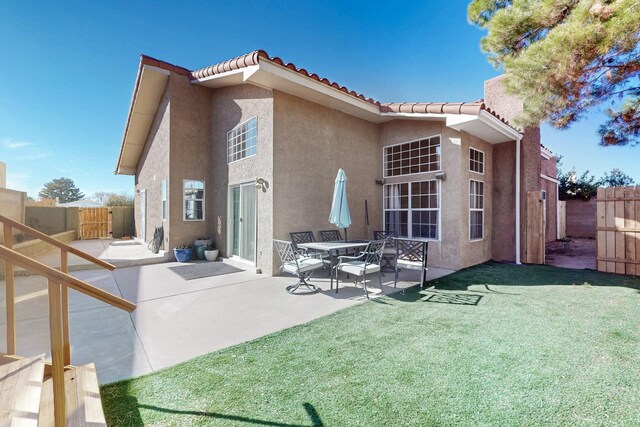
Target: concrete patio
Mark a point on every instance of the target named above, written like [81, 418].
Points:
[176, 319]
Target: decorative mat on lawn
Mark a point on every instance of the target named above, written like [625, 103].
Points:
[204, 269]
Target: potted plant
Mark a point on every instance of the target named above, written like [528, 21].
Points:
[200, 246]
[183, 253]
[211, 253]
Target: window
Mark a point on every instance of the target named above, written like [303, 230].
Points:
[193, 200]
[412, 209]
[242, 140]
[476, 161]
[476, 210]
[412, 157]
[164, 199]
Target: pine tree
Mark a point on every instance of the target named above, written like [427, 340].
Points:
[567, 56]
[62, 189]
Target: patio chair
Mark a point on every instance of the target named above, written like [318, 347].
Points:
[298, 237]
[330, 235]
[367, 262]
[299, 265]
[411, 254]
[389, 254]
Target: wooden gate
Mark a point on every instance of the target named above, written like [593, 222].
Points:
[535, 228]
[94, 223]
[618, 230]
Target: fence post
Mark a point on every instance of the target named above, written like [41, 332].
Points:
[57, 353]
[64, 301]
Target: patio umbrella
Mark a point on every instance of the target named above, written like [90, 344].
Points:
[340, 215]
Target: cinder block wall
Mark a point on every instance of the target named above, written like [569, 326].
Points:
[12, 205]
[581, 218]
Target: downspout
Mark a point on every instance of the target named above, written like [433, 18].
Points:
[557, 211]
[518, 200]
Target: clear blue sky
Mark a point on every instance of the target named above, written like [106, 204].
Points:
[67, 70]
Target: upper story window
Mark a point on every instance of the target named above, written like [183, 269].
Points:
[412, 157]
[193, 192]
[242, 141]
[476, 161]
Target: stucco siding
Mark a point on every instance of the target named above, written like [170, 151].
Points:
[503, 217]
[190, 153]
[476, 251]
[311, 143]
[12, 205]
[153, 167]
[230, 107]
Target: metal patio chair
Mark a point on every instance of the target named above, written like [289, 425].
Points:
[411, 254]
[299, 265]
[389, 254]
[367, 262]
[330, 235]
[298, 237]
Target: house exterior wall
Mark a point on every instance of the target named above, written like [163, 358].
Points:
[190, 157]
[311, 142]
[446, 251]
[153, 167]
[476, 251]
[12, 205]
[503, 217]
[230, 107]
[3, 175]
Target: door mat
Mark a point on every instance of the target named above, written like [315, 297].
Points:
[204, 269]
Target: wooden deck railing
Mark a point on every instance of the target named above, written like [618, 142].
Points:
[58, 283]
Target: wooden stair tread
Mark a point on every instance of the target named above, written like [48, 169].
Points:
[84, 407]
[20, 390]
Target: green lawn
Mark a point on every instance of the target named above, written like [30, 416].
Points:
[494, 344]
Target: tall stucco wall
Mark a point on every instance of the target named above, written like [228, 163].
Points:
[475, 251]
[190, 155]
[230, 107]
[3, 175]
[153, 167]
[122, 221]
[52, 220]
[581, 218]
[12, 205]
[311, 143]
[503, 234]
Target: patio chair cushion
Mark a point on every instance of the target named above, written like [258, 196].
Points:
[410, 264]
[305, 263]
[357, 268]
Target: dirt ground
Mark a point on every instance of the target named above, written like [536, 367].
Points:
[577, 252]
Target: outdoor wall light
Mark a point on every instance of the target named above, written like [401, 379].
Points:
[262, 184]
[381, 181]
[441, 176]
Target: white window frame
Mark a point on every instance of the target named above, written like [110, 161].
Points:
[410, 210]
[384, 156]
[245, 149]
[483, 163]
[184, 208]
[476, 209]
[164, 207]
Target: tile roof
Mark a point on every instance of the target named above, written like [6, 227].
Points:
[253, 58]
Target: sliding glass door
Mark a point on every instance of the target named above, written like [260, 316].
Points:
[242, 221]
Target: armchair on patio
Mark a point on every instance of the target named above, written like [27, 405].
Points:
[330, 235]
[366, 262]
[411, 254]
[297, 264]
[298, 237]
[389, 254]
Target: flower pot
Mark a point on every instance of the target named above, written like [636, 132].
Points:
[211, 254]
[183, 255]
[202, 242]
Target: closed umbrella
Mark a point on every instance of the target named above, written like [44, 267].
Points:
[340, 215]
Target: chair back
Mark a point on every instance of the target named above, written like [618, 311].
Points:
[412, 251]
[384, 234]
[374, 251]
[298, 237]
[286, 252]
[330, 235]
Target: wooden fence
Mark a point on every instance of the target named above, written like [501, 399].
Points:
[618, 230]
[94, 223]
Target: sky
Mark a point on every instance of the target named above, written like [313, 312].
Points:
[67, 71]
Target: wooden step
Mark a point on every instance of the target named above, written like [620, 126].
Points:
[21, 383]
[84, 407]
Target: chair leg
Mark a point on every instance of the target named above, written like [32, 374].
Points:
[364, 285]
[302, 281]
[395, 281]
[337, 280]
[380, 280]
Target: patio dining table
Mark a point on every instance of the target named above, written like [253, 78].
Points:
[333, 248]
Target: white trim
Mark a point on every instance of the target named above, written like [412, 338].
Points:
[410, 209]
[484, 157]
[518, 200]
[184, 210]
[548, 178]
[557, 211]
[245, 150]
[499, 125]
[384, 169]
[226, 74]
[546, 153]
[476, 209]
[158, 70]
